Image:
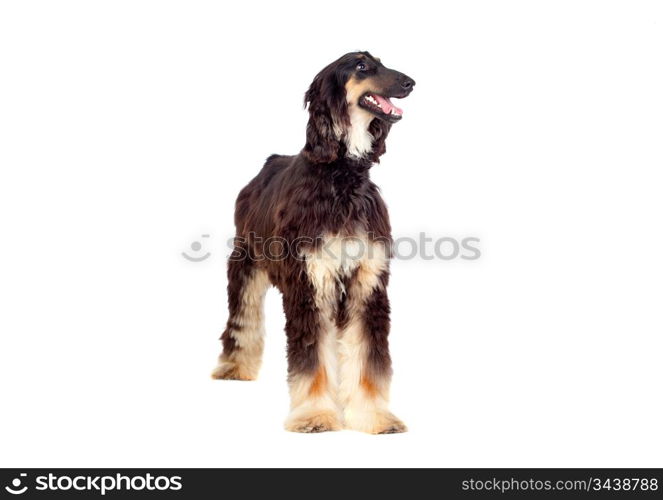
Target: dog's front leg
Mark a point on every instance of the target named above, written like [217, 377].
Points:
[312, 370]
[364, 361]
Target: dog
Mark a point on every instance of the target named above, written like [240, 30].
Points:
[321, 204]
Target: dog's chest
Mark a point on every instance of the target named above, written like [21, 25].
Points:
[339, 257]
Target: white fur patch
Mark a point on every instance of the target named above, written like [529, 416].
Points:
[358, 139]
[338, 257]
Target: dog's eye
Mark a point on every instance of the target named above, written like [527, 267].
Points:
[361, 66]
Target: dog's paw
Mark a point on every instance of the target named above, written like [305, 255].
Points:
[311, 421]
[392, 425]
[227, 370]
[376, 422]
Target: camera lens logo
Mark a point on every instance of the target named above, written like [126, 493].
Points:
[15, 488]
[196, 246]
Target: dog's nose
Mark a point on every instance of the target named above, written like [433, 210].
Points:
[407, 83]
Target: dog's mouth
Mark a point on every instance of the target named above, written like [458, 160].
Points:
[381, 106]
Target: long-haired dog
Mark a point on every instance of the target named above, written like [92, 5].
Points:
[322, 207]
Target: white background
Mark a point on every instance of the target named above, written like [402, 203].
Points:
[127, 129]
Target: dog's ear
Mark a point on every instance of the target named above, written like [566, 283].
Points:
[328, 116]
[379, 130]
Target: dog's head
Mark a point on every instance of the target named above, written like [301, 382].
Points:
[353, 91]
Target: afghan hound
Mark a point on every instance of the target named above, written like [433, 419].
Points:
[316, 227]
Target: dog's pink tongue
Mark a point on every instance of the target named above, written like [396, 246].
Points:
[387, 105]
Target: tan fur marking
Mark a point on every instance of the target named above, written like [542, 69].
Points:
[355, 88]
[319, 384]
[369, 387]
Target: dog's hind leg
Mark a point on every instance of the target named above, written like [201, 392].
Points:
[243, 338]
